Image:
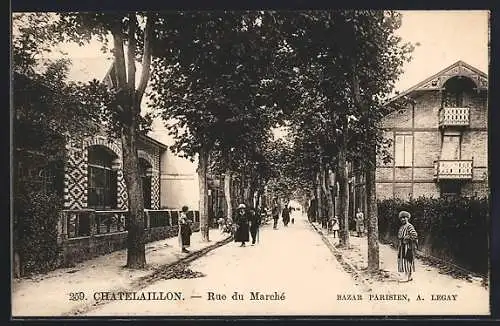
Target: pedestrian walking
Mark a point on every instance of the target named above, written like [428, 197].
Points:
[408, 242]
[184, 230]
[255, 221]
[242, 225]
[276, 213]
[285, 215]
[360, 223]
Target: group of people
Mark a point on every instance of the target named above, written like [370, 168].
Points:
[247, 223]
[407, 239]
[359, 219]
[285, 216]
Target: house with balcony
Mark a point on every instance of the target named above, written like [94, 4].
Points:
[439, 138]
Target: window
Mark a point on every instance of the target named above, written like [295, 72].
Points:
[403, 155]
[457, 91]
[145, 169]
[102, 179]
[46, 177]
[450, 149]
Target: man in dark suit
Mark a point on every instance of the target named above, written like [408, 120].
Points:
[255, 221]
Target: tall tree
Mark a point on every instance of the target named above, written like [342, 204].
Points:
[331, 49]
[207, 85]
[136, 32]
[374, 70]
[47, 108]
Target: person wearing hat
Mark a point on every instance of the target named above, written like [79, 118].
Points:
[285, 215]
[408, 241]
[255, 220]
[184, 230]
[242, 225]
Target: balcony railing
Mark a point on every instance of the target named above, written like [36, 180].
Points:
[453, 169]
[454, 117]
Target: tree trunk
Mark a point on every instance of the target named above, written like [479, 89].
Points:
[332, 188]
[319, 207]
[255, 200]
[248, 199]
[326, 188]
[129, 100]
[136, 252]
[227, 194]
[344, 196]
[235, 188]
[372, 216]
[260, 198]
[202, 176]
[242, 188]
[370, 187]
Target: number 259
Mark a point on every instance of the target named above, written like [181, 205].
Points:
[76, 296]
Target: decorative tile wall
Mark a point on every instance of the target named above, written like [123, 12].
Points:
[75, 179]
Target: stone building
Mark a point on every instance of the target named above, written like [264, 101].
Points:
[94, 178]
[439, 142]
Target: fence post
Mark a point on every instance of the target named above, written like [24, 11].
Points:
[147, 219]
[93, 223]
[93, 231]
[62, 227]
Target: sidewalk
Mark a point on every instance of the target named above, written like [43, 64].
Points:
[49, 294]
[427, 279]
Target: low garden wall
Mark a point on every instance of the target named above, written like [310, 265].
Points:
[85, 234]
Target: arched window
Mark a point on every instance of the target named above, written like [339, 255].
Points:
[457, 92]
[102, 178]
[146, 172]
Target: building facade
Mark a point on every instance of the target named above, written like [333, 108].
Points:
[439, 142]
[93, 177]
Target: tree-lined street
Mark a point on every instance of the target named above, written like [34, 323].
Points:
[224, 85]
[292, 261]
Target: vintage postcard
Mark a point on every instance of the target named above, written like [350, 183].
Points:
[250, 163]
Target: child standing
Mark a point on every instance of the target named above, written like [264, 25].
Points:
[335, 226]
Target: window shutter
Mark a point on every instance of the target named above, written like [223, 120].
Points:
[399, 148]
[408, 151]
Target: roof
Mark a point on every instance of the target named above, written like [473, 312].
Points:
[437, 81]
[154, 142]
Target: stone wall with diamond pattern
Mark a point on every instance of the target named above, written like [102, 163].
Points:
[75, 176]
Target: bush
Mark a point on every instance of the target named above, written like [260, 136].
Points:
[35, 229]
[454, 230]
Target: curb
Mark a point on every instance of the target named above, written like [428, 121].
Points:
[343, 262]
[144, 281]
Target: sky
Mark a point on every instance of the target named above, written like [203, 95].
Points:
[444, 37]
[441, 39]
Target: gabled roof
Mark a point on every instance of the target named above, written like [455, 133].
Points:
[437, 81]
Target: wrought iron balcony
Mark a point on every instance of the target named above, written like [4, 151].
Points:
[454, 117]
[453, 170]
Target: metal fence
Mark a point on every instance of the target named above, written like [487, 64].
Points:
[88, 222]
